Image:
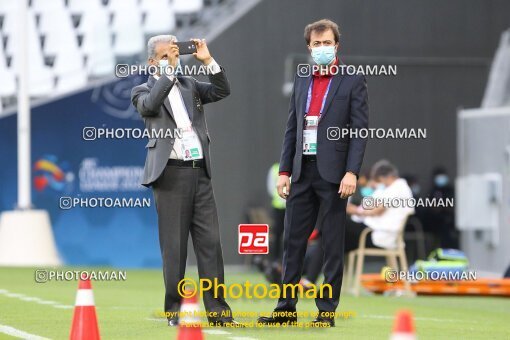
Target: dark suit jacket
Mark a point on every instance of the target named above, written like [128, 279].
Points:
[151, 101]
[346, 107]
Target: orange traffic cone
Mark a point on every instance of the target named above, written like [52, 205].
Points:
[189, 319]
[403, 328]
[84, 325]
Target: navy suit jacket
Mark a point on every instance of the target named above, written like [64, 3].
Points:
[346, 107]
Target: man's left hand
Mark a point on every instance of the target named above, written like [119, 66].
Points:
[202, 54]
[347, 185]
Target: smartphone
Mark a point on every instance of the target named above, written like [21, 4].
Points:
[186, 47]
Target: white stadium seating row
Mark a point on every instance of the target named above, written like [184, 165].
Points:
[71, 41]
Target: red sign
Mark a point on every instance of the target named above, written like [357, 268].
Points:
[253, 239]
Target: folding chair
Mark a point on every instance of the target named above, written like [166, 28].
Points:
[356, 259]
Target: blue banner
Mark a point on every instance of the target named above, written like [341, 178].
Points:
[71, 160]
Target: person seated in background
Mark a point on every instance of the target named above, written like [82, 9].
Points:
[440, 221]
[272, 268]
[414, 184]
[385, 220]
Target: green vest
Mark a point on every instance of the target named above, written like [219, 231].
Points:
[277, 202]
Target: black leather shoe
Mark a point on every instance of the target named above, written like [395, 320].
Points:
[227, 322]
[279, 317]
[323, 320]
[173, 322]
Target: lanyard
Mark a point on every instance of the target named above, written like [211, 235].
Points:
[309, 97]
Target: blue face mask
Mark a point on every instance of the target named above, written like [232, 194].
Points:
[441, 180]
[380, 186]
[163, 66]
[323, 55]
[366, 191]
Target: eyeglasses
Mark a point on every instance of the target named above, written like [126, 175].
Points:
[323, 43]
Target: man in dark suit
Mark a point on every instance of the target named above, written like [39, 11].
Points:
[182, 187]
[324, 168]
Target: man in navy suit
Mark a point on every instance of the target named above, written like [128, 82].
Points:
[324, 166]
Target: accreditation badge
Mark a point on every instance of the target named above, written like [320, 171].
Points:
[190, 145]
[310, 135]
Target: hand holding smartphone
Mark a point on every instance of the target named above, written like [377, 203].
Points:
[186, 47]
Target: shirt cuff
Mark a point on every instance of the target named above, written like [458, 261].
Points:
[286, 173]
[213, 67]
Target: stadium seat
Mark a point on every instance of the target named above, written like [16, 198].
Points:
[11, 31]
[187, 11]
[41, 77]
[8, 7]
[8, 83]
[128, 34]
[159, 16]
[80, 6]
[61, 42]
[46, 6]
[126, 27]
[68, 61]
[122, 5]
[74, 80]
[81, 38]
[188, 6]
[57, 29]
[41, 83]
[96, 43]
[52, 46]
[356, 260]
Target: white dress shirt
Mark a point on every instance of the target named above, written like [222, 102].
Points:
[386, 226]
[180, 112]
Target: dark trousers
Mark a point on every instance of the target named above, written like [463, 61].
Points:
[313, 261]
[275, 240]
[307, 195]
[353, 232]
[185, 204]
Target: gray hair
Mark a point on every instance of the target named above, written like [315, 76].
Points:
[383, 168]
[153, 41]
